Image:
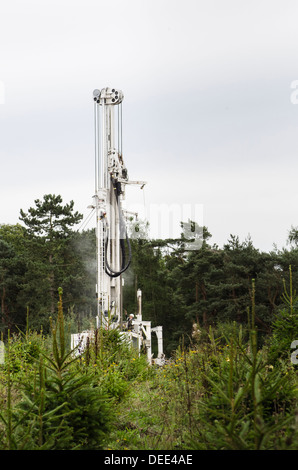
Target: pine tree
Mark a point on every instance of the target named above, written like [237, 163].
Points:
[49, 229]
[12, 269]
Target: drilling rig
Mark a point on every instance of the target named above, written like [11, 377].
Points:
[112, 243]
[113, 250]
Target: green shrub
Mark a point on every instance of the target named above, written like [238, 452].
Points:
[62, 408]
[250, 404]
[113, 382]
[284, 326]
[24, 350]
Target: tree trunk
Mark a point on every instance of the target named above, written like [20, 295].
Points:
[52, 286]
[203, 290]
[3, 305]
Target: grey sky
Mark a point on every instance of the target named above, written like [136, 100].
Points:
[207, 113]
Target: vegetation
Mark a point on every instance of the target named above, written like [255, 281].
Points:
[229, 317]
[220, 393]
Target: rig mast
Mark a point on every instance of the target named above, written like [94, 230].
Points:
[113, 248]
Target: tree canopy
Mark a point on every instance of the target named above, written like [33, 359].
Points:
[185, 281]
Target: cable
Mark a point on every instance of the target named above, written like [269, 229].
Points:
[86, 221]
[96, 144]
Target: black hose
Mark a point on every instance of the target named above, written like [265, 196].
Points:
[124, 266]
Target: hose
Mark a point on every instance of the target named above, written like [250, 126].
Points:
[124, 266]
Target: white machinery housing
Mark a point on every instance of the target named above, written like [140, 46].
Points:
[141, 335]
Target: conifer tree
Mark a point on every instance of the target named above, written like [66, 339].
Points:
[49, 228]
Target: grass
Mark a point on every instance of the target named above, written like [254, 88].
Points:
[210, 402]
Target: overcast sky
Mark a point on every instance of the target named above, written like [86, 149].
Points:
[210, 120]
